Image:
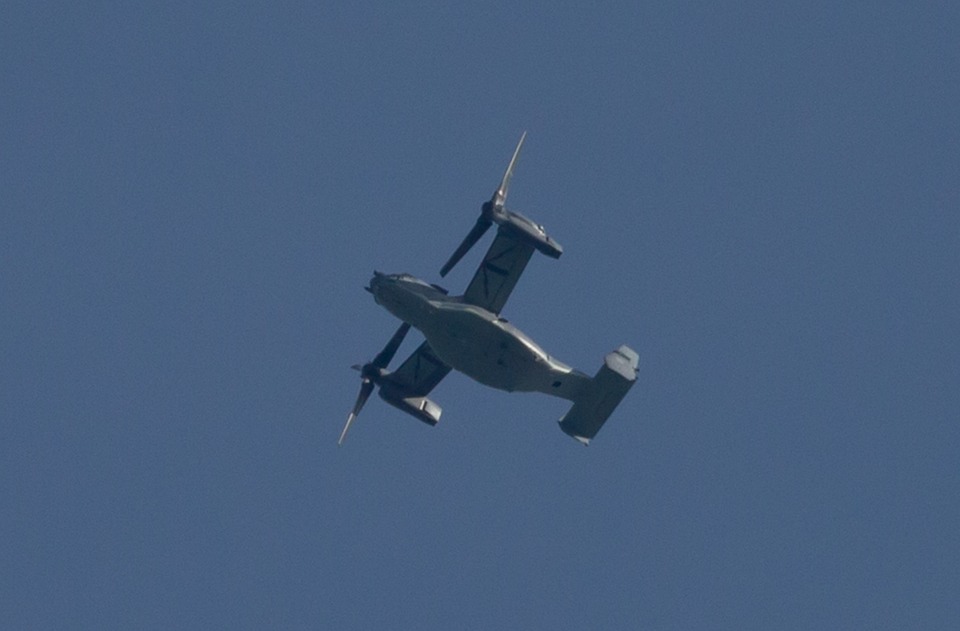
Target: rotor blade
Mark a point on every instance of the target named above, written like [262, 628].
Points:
[500, 196]
[482, 225]
[365, 389]
[383, 357]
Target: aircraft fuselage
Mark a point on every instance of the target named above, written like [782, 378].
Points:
[475, 341]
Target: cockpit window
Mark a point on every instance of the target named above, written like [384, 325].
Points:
[409, 278]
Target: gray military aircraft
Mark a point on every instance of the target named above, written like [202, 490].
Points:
[466, 333]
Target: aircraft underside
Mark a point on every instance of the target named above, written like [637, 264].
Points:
[497, 354]
[467, 334]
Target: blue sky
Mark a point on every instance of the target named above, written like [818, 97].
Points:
[761, 199]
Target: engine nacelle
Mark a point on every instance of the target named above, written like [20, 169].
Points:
[532, 233]
[421, 408]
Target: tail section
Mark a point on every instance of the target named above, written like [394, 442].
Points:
[595, 405]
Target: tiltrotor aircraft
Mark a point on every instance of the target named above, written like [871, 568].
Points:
[466, 333]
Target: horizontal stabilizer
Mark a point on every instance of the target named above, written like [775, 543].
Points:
[592, 408]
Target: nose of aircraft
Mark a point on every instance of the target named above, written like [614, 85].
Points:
[373, 281]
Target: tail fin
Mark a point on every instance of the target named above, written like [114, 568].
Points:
[595, 405]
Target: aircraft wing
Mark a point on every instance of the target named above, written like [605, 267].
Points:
[419, 374]
[499, 272]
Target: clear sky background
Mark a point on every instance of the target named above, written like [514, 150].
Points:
[762, 199]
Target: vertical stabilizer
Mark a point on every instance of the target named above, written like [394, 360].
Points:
[592, 408]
